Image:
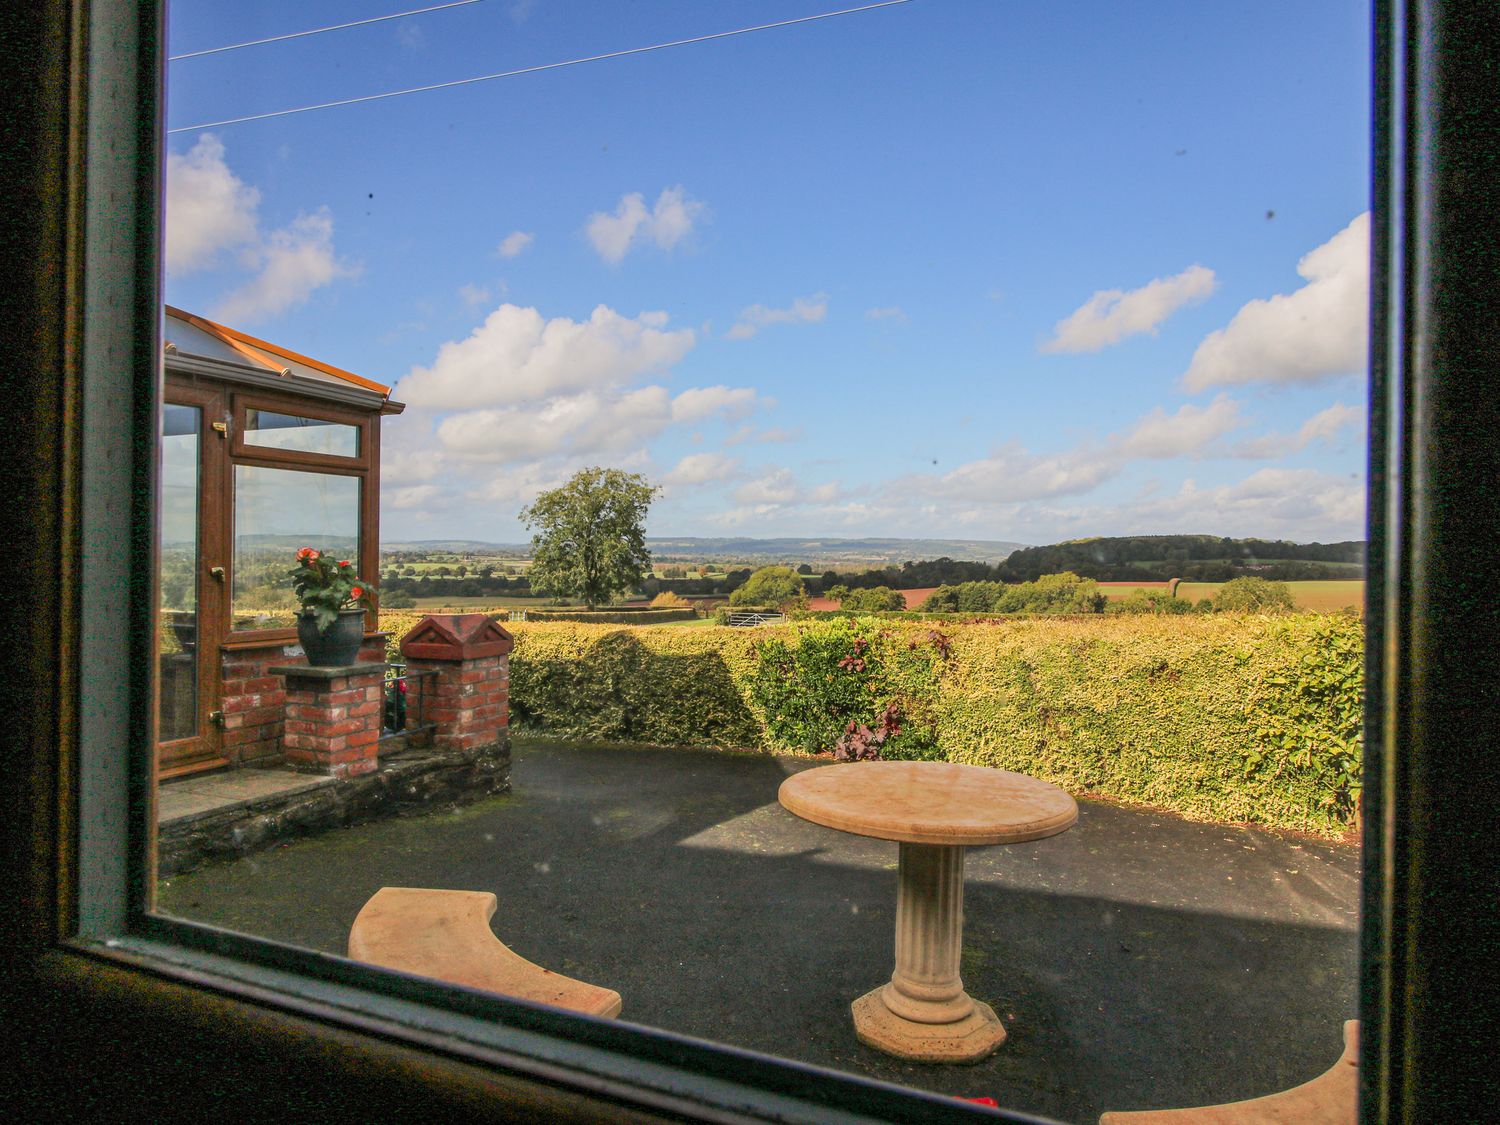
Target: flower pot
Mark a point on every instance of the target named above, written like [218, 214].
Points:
[336, 647]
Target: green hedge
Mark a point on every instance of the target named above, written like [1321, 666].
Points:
[1230, 717]
[682, 687]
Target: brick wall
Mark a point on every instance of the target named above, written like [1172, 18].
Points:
[467, 697]
[469, 701]
[333, 718]
[254, 701]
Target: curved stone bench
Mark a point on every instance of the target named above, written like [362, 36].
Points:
[446, 935]
[1329, 1099]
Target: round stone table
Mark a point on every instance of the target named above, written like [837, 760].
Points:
[933, 810]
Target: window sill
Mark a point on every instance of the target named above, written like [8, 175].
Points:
[508, 1059]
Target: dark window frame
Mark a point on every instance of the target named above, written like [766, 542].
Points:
[241, 447]
[151, 1009]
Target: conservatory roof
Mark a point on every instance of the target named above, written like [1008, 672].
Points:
[189, 337]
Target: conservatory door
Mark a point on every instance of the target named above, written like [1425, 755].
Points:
[192, 586]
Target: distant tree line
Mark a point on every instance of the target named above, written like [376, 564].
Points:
[1196, 558]
[1143, 558]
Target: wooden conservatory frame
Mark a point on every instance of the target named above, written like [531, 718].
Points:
[220, 375]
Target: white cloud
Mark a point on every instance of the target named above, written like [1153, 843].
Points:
[209, 209]
[730, 403]
[515, 243]
[410, 497]
[666, 224]
[1111, 315]
[1011, 474]
[702, 468]
[574, 425]
[773, 434]
[1189, 430]
[1316, 332]
[1323, 427]
[803, 310]
[777, 487]
[473, 295]
[517, 355]
[1284, 501]
[292, 263]
[891, 312]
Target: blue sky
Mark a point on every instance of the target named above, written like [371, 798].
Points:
[977, 268]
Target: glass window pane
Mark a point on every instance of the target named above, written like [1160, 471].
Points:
[179, 571]
[270, 430]
[276, 511]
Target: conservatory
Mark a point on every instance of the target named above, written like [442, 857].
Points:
[263, 450]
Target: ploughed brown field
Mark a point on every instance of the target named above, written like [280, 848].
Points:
[914, 599]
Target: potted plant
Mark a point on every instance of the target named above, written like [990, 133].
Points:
[331, 622]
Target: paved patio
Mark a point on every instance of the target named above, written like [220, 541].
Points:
[1137, 960]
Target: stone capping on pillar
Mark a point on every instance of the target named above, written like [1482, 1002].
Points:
[333, 717]
[468, 697]
[456, 636]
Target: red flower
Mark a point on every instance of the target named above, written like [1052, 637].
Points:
[345, 562]
[357, 592]
[307, 554]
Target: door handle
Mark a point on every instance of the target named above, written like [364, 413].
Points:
[217, 572]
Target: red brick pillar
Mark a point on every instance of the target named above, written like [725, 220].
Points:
[468, 696]
[333, 717]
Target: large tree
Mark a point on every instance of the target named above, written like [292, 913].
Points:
[590, 539]
[770, 585]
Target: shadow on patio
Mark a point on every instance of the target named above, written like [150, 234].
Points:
[1137, 960]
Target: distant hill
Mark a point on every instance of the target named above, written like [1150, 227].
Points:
[458, 547]
[830, 551]
[823, 551]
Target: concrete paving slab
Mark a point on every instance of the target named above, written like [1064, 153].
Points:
[1138, 960]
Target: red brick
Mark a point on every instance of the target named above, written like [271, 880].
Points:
[343, 726]
[262, 715]
[373, 707]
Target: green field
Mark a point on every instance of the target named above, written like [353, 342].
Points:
[485, 604]
[1319, 597]
[488, 601]
[1116, 592]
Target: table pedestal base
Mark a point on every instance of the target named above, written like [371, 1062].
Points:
[924, 1014]
[964, 1041]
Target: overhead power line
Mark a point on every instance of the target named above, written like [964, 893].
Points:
[321, 30]
[535, 69]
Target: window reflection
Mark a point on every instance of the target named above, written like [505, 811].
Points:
[179, 585]
[275, 512]
[271, 430]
